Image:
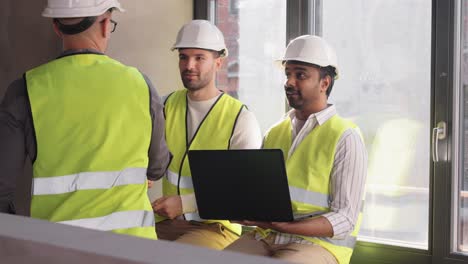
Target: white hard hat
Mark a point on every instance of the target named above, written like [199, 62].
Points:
[200, 34]
[311, 49]
[79, 8]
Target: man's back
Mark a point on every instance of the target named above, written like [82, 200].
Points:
[98, 99]
[92, 155]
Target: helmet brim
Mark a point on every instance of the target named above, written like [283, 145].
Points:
[281, 62]
[74, 13]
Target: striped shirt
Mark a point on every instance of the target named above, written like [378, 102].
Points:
[347, 178]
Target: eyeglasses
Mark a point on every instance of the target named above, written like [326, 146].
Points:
[114, 24]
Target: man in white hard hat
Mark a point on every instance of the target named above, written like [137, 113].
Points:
[326, 163]
[200, 117]
[92, 127]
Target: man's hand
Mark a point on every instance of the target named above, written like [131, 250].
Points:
[278, 226]
[168, 206]
[283, 227]
[314, 226]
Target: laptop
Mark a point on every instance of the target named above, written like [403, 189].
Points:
[248, 184]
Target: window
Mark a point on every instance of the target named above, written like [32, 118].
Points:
[384, 58]
[404, 72]
[255, 36]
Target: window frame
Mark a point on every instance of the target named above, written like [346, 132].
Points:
[445, 97]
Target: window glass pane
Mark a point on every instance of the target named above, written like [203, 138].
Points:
[255, 35]
[384, 57]
[461, 191]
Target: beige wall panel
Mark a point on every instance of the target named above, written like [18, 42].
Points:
[26, 39]
[144, 36]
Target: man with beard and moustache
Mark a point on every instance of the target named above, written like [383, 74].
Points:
[326, 163]
[199, 117]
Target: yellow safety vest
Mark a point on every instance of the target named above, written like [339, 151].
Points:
[309, 169]
[214, 132]
[93, 126]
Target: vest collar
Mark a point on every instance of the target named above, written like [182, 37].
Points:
[321, 117]
[79, 51]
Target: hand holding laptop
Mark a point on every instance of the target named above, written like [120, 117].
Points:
[277, 226]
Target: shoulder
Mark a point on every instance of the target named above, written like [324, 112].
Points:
[122, 70]
[339, 120]
[15, 102]
[16, 90]
[173, 96]
[228, 99]
[352, 137]
[247, 117]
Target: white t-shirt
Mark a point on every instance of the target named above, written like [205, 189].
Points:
[246, 135]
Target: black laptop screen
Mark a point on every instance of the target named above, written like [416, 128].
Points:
[241, 184]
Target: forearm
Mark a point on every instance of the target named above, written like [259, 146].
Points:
[316, 227]
[10, 168]
[12, 141]
[159, 155]
[347, 184]
[6, 204]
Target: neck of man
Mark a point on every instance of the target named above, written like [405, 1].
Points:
[78, 43]
[303, 114]
[205, 93]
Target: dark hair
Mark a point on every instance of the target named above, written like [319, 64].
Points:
[216, 54]
[324, 71]
[79, 27]
[76, 28]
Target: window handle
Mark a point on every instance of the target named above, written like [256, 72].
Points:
[438, 133]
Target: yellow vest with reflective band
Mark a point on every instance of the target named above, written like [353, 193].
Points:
[309, 169]
[93, 126]
[214, 132]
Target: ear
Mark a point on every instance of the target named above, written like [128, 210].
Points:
[325, 83]
[219, 62]
[104, 26]
[56, 30]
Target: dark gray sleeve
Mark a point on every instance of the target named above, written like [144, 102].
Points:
[159, 155]
[16, 141]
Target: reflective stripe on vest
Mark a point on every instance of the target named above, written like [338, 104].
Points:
[309, 169]
[90, 168]
[185, 181]
[117, 220]
[88, 181]
[308, 197]
[214, 132]
[348, 242]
